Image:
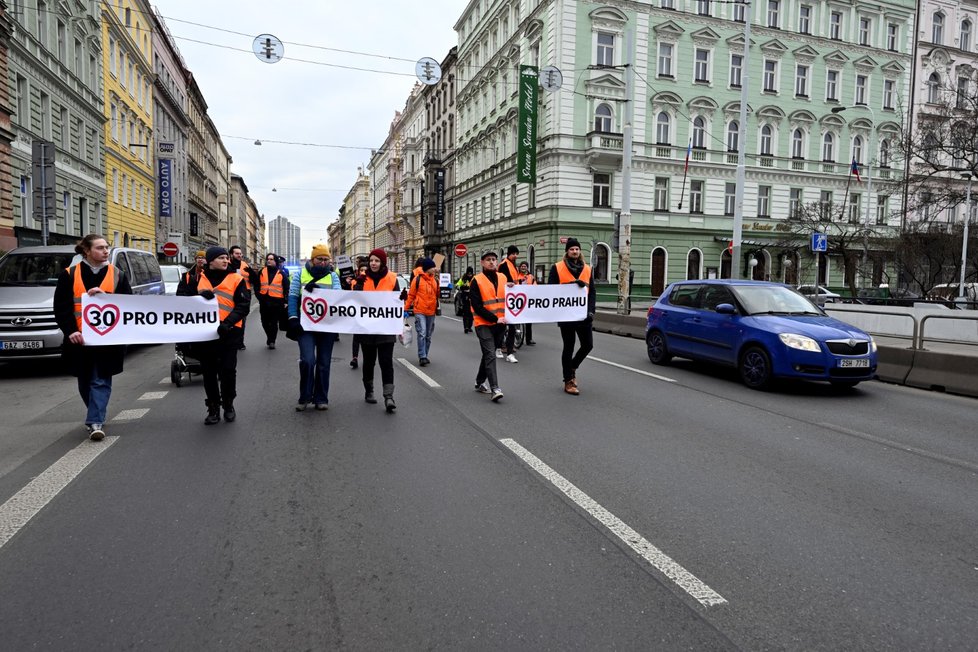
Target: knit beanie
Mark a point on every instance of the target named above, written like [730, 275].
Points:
[214, 252]
[319, 250]
[427, 263]
[201, 254]
[572, 242]
[380, 253]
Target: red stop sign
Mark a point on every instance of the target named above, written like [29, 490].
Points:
[170, 249]
[461, 250]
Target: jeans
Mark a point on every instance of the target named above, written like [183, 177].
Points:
[424, 326]
[570, 332]
[315, 350]
[489, 340]
[95, 390]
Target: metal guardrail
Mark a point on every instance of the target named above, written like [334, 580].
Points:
[917, 336]
[916, 324]
[923, 320]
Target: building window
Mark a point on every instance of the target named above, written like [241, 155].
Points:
[662, 122]
[798, 144]
[892, 33]
[42, 22]
[703, 7]
[739, 12]
[882, 209]
[857, 149]
[937, 31]
[828, 147]
[665, 60]
[885, 153]
[65, 130]
[962, 94]
[794, 203]
[699, 133]
[602, 118]
[606, 49]
[801, 81]
[774, 13]
[733, 136]
[668, 4]
[45, 116]
[933, 88]
[861, 82]
[661, 193]
[764, 201]
[601, 190]
[805, 19]
[965, 41]
[62, 44]
[767, 134]
[693, 263]
[888, 92]
[865, 27]
[825, 204]
[702, 66]
[835, 25]
[770, 76]
[729, 199]
[696, 197]
[832, 85]
[736, 70]
[23, 101]
[855, 203]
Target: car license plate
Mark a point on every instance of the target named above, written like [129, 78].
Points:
[27, 344]
[854, 362]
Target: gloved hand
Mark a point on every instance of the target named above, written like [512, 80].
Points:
[310, 286]
[438, 311]
[361, 278]
[294, 329]
[224, 328]
[590, 316]
[580, 283]
[207, 294]
[403, 295]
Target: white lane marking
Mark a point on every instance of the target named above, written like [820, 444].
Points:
[130, 415]
[26, 503]
[658, 559]
[428, 380]
[166, 381]
[632, 369]
[152, 396]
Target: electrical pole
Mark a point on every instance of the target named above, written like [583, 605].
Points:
[738, 225]
[964, 239]
[625, 224]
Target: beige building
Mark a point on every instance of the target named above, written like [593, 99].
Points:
[356, 217]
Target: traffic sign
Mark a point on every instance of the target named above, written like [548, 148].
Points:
[820, 242]
[461, 250]
[171, 249]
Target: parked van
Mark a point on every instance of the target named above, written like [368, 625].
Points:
[949, 292]
[28, 276]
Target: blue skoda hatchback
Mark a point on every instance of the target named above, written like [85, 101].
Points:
[765, 330]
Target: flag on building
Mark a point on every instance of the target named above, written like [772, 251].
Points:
[854, 169]
[689, 151]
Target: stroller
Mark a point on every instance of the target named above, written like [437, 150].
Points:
[184, 362]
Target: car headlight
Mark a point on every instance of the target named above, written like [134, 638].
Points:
[872, 345]
[800, 342]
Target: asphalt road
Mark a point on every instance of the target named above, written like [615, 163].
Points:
[663, 508]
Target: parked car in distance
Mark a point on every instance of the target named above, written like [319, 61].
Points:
[764, 330]
[821, 296]
[28, 276]
[883, 296]
[171, 277]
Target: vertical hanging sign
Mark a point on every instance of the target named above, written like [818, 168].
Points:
[526, 148]
[439, 200]
[165, 168]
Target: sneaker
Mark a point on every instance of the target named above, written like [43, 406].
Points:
[511, 358]
[496, 394]
[301, 406]
[95, 432]
[482, 388]
[321, 407]
[499, 353]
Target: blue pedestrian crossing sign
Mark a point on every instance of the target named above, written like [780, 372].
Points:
[820, 242]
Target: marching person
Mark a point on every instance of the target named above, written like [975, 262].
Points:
[94, 366]
[353, 283]
[273, 288]
[508, 269]
[573, 269]
[463, 286]
[315, 347]
[199, 261]
[527, 279]
[240, 266]
[422, 300]
[219, 358]
[379, 348]
[487, 298]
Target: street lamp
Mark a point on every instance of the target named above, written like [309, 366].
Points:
[869, 179]
[964, 240]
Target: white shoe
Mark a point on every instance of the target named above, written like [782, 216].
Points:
[511, 358]
[482, 389]
[496, 394]
[499, 353]
[96, 433]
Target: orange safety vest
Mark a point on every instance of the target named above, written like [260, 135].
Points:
[492, 298]
[564, 275]
[386, 284]
[273, 288]
[108, 284]
[529, 279]
[243, 272]
[513, 271]
[224, 293]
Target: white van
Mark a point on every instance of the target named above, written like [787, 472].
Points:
[28, 276]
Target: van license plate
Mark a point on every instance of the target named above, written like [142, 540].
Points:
[854, 362]
[27, 344]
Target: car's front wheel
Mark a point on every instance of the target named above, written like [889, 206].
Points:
[658, 351]
[755, 368]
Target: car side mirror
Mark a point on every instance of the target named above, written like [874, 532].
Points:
[726, 309]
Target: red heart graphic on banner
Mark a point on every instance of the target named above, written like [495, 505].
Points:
[517, 303]
[315, 309]
[102, 319]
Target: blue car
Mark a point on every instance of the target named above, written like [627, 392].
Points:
[765, 330]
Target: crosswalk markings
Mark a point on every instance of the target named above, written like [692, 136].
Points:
[130, 415]
[152, 396]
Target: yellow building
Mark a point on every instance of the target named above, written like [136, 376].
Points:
[127, 75]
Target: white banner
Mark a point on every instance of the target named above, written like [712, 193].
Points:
[350, 311]
[147, 319]
[532, 304]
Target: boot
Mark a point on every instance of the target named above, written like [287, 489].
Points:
[389, 398]
[368, 392]
[213, 414]
[229, 414]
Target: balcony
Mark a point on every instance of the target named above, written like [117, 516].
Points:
[604, 148]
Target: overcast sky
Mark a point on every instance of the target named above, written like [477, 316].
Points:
[307, 102]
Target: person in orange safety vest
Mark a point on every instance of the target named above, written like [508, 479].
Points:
[486, 298]
[573, 269]
[273, 291]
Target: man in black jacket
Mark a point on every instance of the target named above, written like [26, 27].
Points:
[573, 269]
[486, 296]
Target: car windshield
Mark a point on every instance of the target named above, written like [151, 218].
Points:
[33, 269]
[171, 274]
[774, 300]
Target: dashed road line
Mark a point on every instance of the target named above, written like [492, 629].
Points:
[166, 381]
[632, 369]
[130, 415]
[26, 503]
[152, 396]
[658, 559]
[425, 378]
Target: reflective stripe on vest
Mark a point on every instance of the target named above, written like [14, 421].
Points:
[224, 293]
[386, 284]
[325, 282]
[564, 274]
[273, 289]
[492, 298]
[108, 284]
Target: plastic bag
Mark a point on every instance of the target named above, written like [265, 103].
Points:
[407, 335]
